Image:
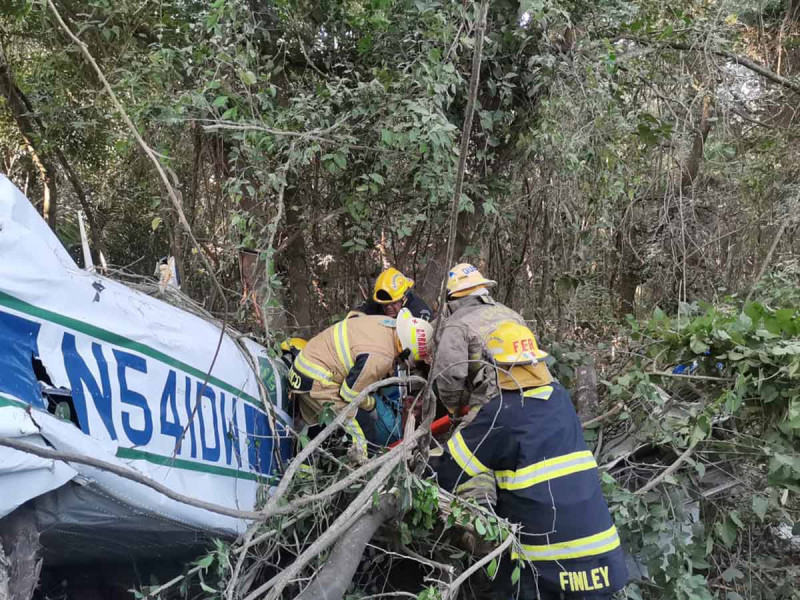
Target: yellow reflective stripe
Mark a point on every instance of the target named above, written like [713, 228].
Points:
[546, 470]
[342, 344]
[347, 393]
[468, 462]
[542, 393]
[355, 431]
[592, 545]
[312, 370]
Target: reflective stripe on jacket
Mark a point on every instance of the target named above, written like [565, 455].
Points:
[337, 364]
[462, 379]
[547, 480]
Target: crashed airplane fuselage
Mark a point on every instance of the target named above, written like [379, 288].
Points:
[88, 365]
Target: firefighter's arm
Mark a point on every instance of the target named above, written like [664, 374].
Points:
[477, 450]
[368, 368]
[451, 366]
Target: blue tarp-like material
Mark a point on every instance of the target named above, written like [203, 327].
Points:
[19, 346]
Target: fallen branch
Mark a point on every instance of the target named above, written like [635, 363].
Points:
[333, 579]
[271, 533]
[130, 474]
[277, 583]
[154, 593]
[452, 591]
[668, 471]
[602, 417]
[346, 413]
[298, 460]
[449, 569]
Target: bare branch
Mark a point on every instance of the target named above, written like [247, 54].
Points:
[130, 474]
[668, 471]
[176, 203]
[452, 591]
[732, 56]
[466, 130]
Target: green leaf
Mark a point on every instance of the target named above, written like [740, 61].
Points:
[247, 77]
[220, 101]
[732, 573]
[207, 589]
[480, 527]
[515, 575]
[377, 178]
[340, 160]
[698, 346]
[63, 411]
[491, 570]
[734, 515]
[760, 506]
[155, 223]
[206, 561]
[726, 531]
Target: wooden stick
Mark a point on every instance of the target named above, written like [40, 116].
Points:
[176, 203]
[452, 591]
[130, 474]
[466, 130]
[668, 471]
[732, 56]
[602, 417]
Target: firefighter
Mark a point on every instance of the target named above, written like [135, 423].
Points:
[547, 480]
[290, 348]
[340, 362]
[393, 291]
[471, 314]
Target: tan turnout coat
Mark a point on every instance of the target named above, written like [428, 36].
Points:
[462, 380]
[343, 360]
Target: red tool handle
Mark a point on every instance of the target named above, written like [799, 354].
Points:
[438, 427]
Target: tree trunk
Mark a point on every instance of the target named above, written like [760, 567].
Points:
[629, 274]
[429, 287]
[585, 396]
[692, 166]
[334, 578]
[24, 115]
[297, 269]
[26, 128]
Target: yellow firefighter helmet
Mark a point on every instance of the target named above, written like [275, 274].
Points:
[294, 343]
[514, 344]
[464, 279]
[391, 286]
[415, 335]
